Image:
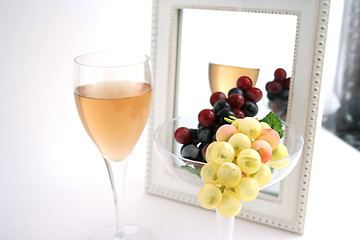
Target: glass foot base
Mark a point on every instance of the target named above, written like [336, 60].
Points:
[132, 232]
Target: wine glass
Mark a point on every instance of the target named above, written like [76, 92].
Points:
[189, 170]
[113, 92]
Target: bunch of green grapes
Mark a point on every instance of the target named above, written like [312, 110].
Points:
[238, 163]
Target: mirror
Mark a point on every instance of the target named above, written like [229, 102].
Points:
[215, 48]
[191, 39]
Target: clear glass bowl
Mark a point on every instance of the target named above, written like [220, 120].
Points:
[188, 170]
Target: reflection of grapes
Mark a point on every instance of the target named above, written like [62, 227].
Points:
[240, 103]
[278, 93]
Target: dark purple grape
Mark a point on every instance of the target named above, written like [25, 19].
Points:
[267, 86]
[193, 135]
[204, 135]
[203, 148]
[250, 109]
[222, 114]
[235, 90]
[284, 95]
[214, 136]
[221, 104]
[190, 151]
[271, 96]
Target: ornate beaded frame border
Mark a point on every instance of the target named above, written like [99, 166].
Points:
[309, 125]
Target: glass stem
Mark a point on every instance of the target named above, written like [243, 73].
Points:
[225, 226]
[117, 174]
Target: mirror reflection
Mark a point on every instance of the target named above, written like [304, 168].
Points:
[215, 48]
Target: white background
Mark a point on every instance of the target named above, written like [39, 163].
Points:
[48, 165]
[53, 182]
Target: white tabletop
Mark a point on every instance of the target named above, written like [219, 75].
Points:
[65, 194]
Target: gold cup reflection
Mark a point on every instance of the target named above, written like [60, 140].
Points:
[223, 77]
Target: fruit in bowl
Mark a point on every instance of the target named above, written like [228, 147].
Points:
[238, 161]
[278, 92]
[228, 153]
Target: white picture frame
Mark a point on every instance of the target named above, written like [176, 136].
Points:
[287, 211]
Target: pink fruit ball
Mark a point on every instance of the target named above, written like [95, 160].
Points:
[271, 136]
[225, 132]
[263, 148]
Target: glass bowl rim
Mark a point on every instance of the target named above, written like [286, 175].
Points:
[203, 163]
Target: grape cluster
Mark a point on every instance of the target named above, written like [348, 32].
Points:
[278, 92]
[238, 163]
[240, 102]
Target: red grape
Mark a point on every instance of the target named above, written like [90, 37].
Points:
[238, 113]
[253, 94]
[236, 100]
[275, 87]
[183, 135]
[287, 83]
[216, 96]
[206, 117]
[244, 83]
[280, 74]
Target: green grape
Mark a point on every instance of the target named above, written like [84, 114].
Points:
[222, 152]
[250, 127]
[264, 125]
[247, 189]
[230, 204]
[279, 153]
[209, 173]
[249, 161]
[263, 175]
[209, 196]
[229, 174]
[236, 123]
[239, 141]
[208, 151]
